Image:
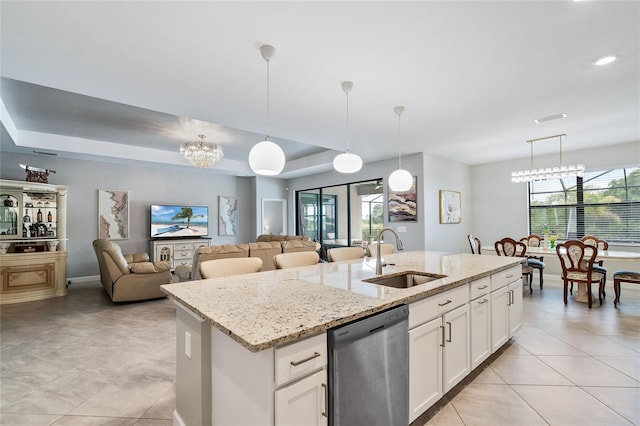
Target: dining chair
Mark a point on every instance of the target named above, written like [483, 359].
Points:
[510, 247]
[576, 259]
[475, 245]
[345, 253]
[293, 260]
[597, 266]
[385, 248]
[536, 262]
[630, 277]
[217, 268]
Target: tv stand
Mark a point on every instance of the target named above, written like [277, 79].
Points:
[177, 251]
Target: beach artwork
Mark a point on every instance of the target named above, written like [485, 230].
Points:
[179, 221]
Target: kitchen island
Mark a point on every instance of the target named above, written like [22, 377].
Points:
[251, 349]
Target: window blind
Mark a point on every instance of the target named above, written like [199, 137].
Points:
[602, 203]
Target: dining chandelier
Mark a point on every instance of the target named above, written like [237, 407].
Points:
[201, 154]
[557, 172]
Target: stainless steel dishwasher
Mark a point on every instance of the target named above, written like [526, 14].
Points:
[369, 370]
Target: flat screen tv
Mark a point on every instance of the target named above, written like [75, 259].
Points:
[168, 221]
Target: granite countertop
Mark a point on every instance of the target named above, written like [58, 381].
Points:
[272, 308]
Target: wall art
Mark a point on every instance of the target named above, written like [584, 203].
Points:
[403, 206]
[113, 214]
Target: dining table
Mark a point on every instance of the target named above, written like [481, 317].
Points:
[582, 294]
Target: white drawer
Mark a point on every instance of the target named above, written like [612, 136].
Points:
[300, 358]
[502, 278]
[182, 255]
[183, 246]
[479, 287]
[434, 306]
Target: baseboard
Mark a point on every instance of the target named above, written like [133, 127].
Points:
[87, 279]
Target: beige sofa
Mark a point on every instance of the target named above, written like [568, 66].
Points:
[128, 278]
[265, 247]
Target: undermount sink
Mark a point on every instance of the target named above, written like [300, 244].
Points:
[404, 279]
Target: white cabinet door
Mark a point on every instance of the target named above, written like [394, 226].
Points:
[500, 300]
[515, 308]
[480, 330]
[456, 362]
[425, 367]
[303, 403]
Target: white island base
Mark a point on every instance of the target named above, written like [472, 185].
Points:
[241, 360]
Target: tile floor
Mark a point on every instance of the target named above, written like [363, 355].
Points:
[80, 360]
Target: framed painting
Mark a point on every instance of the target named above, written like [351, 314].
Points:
[403, 206]
[450, 208]
[113, 214]
[228, 218]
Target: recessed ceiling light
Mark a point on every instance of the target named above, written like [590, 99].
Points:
[550, 117]
[606, 59]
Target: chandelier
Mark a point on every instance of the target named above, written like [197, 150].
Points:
[400, 179]
[558, 172]
[266, 157]
[201, 154]
[347, 162]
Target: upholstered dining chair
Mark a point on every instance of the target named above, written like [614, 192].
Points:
[293, 260]
[577, 259]
[590, 240]
[475, 245]
[385, 248]
[536, 262]
[218, 268]
[630, 277]
[345, 253]
[510, 247]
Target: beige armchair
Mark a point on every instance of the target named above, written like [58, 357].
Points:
[128, 278]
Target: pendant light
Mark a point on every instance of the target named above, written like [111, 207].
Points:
[347, 162]
[266, 157]
[400, 179]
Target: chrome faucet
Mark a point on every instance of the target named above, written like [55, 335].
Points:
[399, 245]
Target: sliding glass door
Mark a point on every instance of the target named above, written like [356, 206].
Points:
[341, 215]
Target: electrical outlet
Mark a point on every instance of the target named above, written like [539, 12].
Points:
[187, 344]
[401, 229]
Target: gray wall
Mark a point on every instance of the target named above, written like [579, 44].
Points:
[146, 186]
[413, 238]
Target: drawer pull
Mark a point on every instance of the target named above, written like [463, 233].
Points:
[482, 302]
[309, 358]
[449, 339]
[442, 344]
[483, 287]
[445, 303]
[510, 276]
[326, 400]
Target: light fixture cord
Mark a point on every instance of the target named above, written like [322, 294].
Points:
[560, 150]
[531, 156]
[268, 105]
[347, 121]
[399, 144]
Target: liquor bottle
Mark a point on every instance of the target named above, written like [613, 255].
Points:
[24, 230]
[39, 216]
[49, 217]
[26, 218]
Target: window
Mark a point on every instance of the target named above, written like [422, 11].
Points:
[603, 203]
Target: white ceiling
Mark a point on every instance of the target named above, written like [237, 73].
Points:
[132, 80]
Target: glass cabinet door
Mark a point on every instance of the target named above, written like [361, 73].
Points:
[9, 211]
